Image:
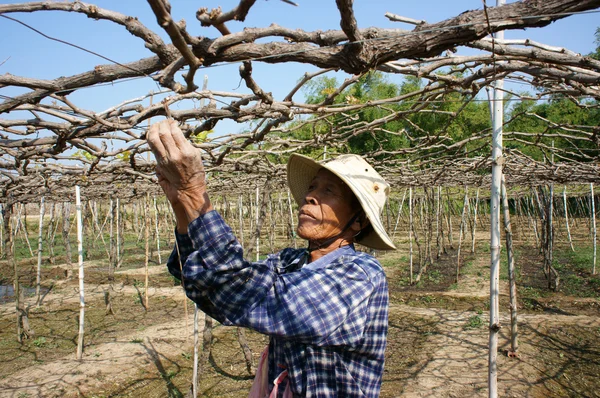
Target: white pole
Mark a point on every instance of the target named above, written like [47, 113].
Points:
[39, 263]
[1, 230]
[593, 226]
[118, 235]
[410, 225]
[257, 230]
[475, 220]
[80, 257]
[157, 231]
[195, 366]
[293, 227]
[567, 217]
[497, 159]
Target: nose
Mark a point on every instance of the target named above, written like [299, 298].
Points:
[310, 197]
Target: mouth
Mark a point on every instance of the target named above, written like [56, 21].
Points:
[306, 215]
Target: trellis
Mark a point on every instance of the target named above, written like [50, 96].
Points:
[51, 145]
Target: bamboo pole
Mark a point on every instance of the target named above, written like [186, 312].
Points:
[514, 343]
[81, 285]
[38, 279]
[2, 233]
[474, 221]
[9, 227]
[112, 258]
[410, 228]
[241, 218]
[440, 223]
[292, 226]
[147, 257]
[551, 232]
[51, 233]
[195, 364]
[567, 218]
[257, 230]
[449, 219]
[157, 231]
[593, 221]
[460, 232]
[118, 234]
[497, 158]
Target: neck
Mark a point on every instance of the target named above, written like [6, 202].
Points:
[319, 249]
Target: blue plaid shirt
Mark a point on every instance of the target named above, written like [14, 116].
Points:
[327, 320]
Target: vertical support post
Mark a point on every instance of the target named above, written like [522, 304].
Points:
[80, 258]
[460, 232]
[292, 226]
[474, 221]
[118, 262]
[567, 218]
[257, 219]
[593, 215]
[497, 159]
[195, 365]
[39, 253]
[410, 228]
[1, 231]
[514, 343]
[147, 236]
[157, 231]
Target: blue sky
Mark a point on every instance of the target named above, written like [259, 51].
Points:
[28, 54]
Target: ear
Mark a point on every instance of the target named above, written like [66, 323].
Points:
[360, 223]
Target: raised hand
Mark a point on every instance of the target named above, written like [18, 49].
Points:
[180, 172]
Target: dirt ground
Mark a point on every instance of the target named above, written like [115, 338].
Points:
[437, 344]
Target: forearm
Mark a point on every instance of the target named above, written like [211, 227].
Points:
[188, 207]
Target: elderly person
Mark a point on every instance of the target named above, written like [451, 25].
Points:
[324, 307]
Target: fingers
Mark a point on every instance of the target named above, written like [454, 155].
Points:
[177, 135]
[165, 133]
[165, 139]
[154, 141]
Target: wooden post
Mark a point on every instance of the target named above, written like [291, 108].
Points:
[514, 343]
[118, 235]
[2, 250]
[257, 230]
[292, 225]
[241, 218]
[410, 229]
[551, 232]
[474, 221]
[440, 223]
[157, 231]
[80, 258]
[460, 232]
[51, 233]
[497, 159]
[567, 218]
[112, 258]
[593, 220]
[147, 258]
[38, 279]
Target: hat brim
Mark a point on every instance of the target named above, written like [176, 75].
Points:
[301, 170]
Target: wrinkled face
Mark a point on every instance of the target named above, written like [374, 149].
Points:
[328, 206]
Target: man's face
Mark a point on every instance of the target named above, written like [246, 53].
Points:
[327, 208]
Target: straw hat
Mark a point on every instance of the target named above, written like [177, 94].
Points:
[368, 186]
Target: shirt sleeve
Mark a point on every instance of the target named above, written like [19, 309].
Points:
[318, 306]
